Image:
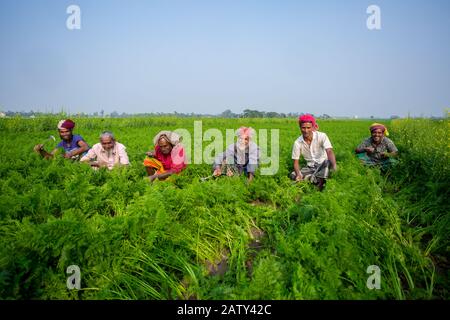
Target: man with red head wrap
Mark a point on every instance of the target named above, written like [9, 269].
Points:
[74, 146]
[316, 149]
[377, 149]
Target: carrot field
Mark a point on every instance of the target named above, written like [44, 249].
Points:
[223, 238]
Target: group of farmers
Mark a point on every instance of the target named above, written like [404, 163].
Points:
[241, 157]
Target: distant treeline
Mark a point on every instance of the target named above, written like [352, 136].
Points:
[247, 113]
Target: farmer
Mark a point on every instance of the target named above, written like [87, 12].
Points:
[167, 158]
[108, 153]
[378, 149]
[316, 149]
[240, 157]
[74, 146]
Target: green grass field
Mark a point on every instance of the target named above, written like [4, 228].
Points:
[224, 239]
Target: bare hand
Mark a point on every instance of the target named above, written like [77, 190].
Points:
[94, 164]
[370, 149]
[229, 173]
[217, 172]
[38, 147]
[153, 177]
[299, 177]
[68, 155]
[150, 154]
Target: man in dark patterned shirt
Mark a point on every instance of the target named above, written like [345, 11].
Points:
[378, 149]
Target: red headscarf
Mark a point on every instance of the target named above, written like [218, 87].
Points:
[308, 118]
[66, 124]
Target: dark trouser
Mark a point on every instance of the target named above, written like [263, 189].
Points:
[315, 174]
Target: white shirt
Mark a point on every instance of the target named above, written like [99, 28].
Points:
[314, 153]
[117, 155]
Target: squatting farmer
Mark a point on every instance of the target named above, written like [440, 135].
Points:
[167, 158]
[378, 149]
[316, 149]
[107, 153]
[239, 157]
[74, 146]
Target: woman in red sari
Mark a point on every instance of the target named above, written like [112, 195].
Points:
[167, 158]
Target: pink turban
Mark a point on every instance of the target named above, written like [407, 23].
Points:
[308, 118]
[243, 132]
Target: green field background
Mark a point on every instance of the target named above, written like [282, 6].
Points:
[223, 238]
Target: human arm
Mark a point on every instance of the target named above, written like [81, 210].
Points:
[392, 150]
[92, 158]
[161, 176]
[365, 146]
[253, 158]
[178, 157]
[39, 149]
[390, 154]
[296, 152]
[178, 163]
[365, 149]
[123, 156]
[298, 174]
[82, 148]
[90, 155]
[220, 160]
[332, 158]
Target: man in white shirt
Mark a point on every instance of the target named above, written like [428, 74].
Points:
[316, 149]
[108, 153]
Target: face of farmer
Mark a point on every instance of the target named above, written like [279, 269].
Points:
[65, 134]
[306, 129]
[243, 141]
[165, 146]
[377, 135]
[107, 143]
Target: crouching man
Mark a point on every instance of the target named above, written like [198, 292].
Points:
[316, 149]
[239, 158]
[378, 149]
[108, 153]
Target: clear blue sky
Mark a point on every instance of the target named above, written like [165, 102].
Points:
[209, 56]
